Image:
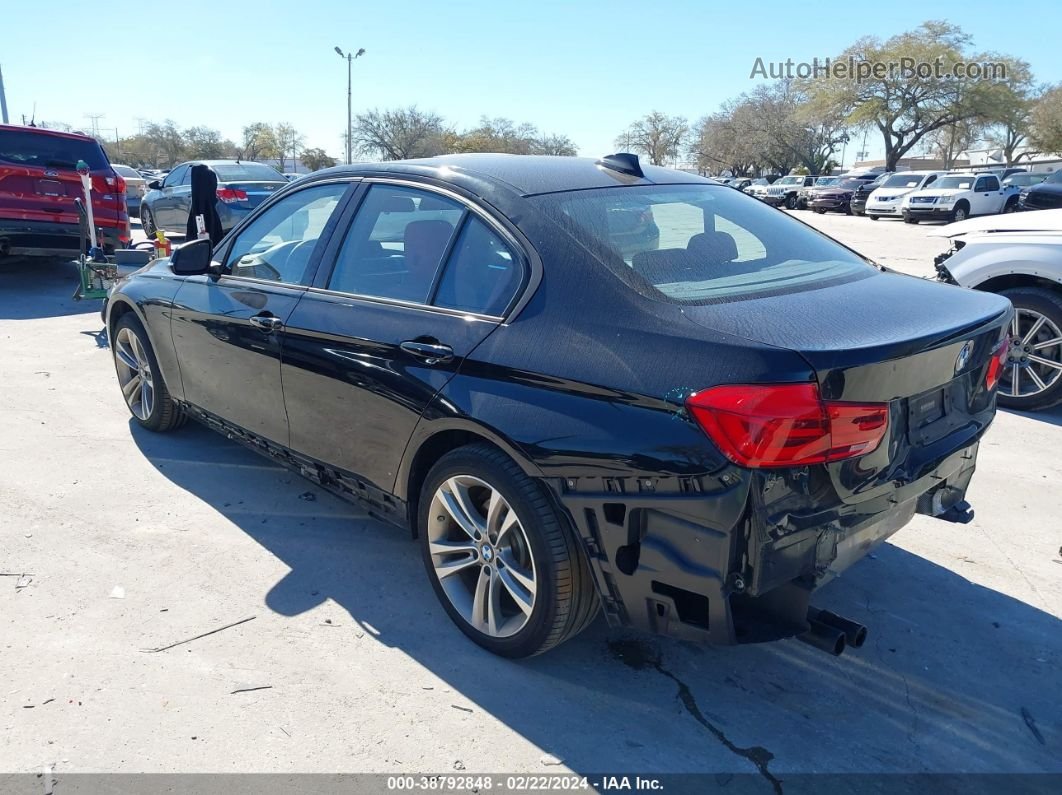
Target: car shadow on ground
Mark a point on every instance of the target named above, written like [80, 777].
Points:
[955, 677]
[1052, 416]
[40, 287]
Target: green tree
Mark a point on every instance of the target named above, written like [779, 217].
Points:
[553, 145]
[203, 143]
[315, 159]
[259, 142]
[164, 142]
[1009, 119]
[656, 135]
[1046, 121]
[902, 108]
[496, 135]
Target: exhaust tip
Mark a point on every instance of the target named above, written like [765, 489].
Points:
[822, 636]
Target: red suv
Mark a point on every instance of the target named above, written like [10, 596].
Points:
[38, 185]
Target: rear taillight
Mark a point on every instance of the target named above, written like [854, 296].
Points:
[996, 364]
[229, 195]
[786, 425]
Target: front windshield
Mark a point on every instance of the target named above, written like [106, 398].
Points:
[903, 181]
[695, 244]
[851, 183]
[790, 181]
[821, 181]
[962, 182]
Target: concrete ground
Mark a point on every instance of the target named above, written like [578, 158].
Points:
[115, 543]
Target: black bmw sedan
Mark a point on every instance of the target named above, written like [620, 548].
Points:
[690, 430]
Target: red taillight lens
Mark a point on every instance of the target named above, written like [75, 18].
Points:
[785, 425]
[119, 184]
[229, 195]
[996, 365]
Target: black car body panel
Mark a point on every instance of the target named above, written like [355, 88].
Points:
[588, 397]
[1045, 196]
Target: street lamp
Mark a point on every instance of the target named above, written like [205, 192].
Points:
[350, 59]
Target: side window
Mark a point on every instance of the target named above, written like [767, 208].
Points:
[186, 177]
[174, 177]
[277, 245]
[396, 244]
[990, 183]
[482, 274]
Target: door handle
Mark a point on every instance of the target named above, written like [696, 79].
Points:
[430, 353]
[267, 323]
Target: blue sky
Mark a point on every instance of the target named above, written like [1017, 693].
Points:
[585, 69]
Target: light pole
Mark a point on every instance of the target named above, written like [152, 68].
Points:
[350, 60]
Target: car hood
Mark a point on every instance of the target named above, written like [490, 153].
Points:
[1039, 221]
[940, 192]
[892, 193]
[881, 317]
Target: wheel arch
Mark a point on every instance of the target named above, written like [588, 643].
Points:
[1010, 281]
[431, 443]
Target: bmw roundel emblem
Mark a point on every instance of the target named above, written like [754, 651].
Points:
[964, 357]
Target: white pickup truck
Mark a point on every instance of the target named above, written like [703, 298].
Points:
[956, 197]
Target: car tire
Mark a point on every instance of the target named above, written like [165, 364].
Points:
[960, 213]
[790, 202]
[820, 212]
[140, 378]
[907, 220]
[1012, 205]
[147, 222]
[874, 217]
[537, 546]
[1032, 304]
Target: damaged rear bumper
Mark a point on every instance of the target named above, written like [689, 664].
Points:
[704, 559]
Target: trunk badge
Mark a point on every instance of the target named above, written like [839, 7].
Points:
[964, 357]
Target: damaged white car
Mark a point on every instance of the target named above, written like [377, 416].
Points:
[1018, 255]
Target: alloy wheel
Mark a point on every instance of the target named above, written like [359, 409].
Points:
[134, 374]
[147, 223]
[481, 556]
[1034, 359]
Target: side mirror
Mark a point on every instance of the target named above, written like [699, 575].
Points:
[191, 259]
[154, 184]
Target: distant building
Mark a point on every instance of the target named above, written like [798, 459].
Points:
[1028, 159]
[914, 164]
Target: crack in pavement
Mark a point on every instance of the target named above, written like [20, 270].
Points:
[639, 656]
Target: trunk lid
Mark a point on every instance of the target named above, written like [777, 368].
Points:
[899, 325]
[256, 191]
[920, 346]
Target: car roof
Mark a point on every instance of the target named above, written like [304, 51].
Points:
[45, 131]
[526, 174]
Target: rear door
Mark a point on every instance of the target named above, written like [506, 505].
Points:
[227, 330]
[164, 208]
[417, 281]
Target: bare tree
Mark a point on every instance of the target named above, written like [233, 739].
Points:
[399, 134]
[656, 135]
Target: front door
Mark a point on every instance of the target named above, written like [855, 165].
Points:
[164, 208]
[987, 196]
[228, 328]
[416, 283]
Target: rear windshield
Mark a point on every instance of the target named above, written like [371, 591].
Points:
[1024, 179]
[127, 172]
[696, 244]
[247, 172]
[903, 181]
[39, 150]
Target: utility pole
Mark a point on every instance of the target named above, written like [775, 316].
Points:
[350, 60]
[3, 99]
[95, 119]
